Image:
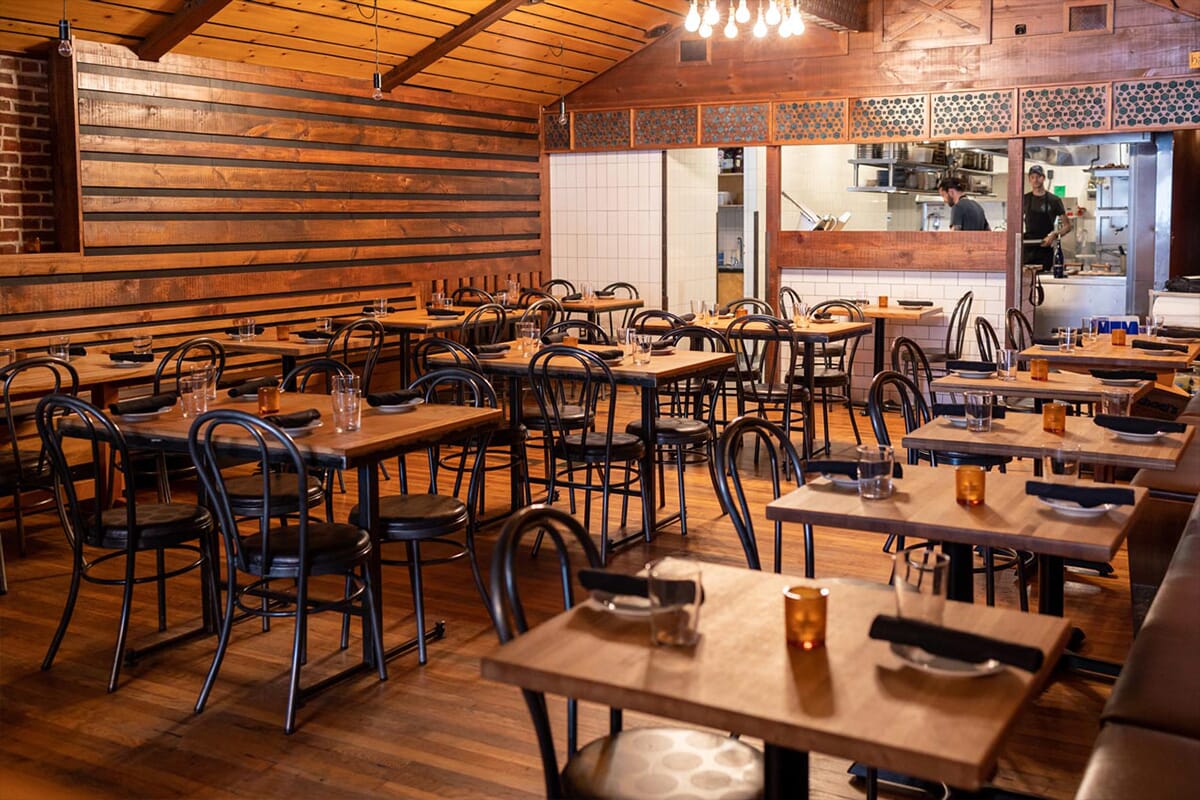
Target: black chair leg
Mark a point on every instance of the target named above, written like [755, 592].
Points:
[222, 642]
[160, 563]
[376, 633]
[68, 610]
[298, 644]
[123, 625]
[414, 576]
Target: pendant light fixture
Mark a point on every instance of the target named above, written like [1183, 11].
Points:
[562, 84]
[377, 78]
[65, 48]
[704, 16]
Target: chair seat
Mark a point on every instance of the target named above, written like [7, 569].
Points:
[333, 549]
[592, 446]
[419, 516]
[646, 763]
[774, 392]
[572, 417]
[245, 494]
[159, 525]
[673, 430]
[823, 377]
[31, 470]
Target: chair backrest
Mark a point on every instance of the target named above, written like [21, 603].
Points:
[986, 339]
[626, 290]
[1018, 331]
[483, 325]
[326, 368]
[590, 384]
[913, 408]
[783, 468]
[470, 296]
[789, 302]
[910, 361]
[751, 304]
[364, 332]
[766, 352]
[58, 376]
[956, 331]
[564, 533]
[585, 331]
[544, 312]
[186, 356]
[462, 387]
[557, 286]
[696, 397]
[432, 346]
[532, 296]
[639, 320]
[851, 311]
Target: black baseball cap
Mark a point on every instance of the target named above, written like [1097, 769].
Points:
[1036, 169]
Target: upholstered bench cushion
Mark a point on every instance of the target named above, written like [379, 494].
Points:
[1191, 412]
[1181, 483]
[1128, 762]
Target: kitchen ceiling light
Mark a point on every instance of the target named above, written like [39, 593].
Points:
[704, 17]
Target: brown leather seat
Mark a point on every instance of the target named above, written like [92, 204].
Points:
[1130, 762]
[1191, 412]
[1181, 483]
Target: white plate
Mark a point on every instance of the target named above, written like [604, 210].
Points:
[492, 356]
[917, 658]
[313, 340]
[829, 321]
[621, 605]
[841, 481]
[1171, 340]
[1051, 347]
[129, 364]
[958, 422]
[1137, 437]
[666, 351]
[246, 397]
[304, 431]
[402, 408]
[145, 415]
[1120, 381]
[1073, 509]
[615, 362]
[973, 373]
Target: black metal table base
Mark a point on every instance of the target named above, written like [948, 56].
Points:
[940, 790]
[363, 667]
[132, 656]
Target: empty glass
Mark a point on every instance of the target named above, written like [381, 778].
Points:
[205, 375]
[978, 406]
[247, 328]
[502, 298]
[346, 400]
[325, 324]
[381, 306]
[1062, 462]
[60, 347]
[920, 577]
[193, 395]
[1066, 339]
[1114, 403]
[437, 299]
[800, 314]
[875, 471]
[1006, 365]
[527, 338]
[626, 339]
[7, 356]
[587, 292]
[1154, 326]
[142, 343]
[642, 349]
[674, 592]
[514, 288]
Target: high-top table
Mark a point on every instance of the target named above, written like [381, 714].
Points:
[1072, 387]
[1101, 354]
[853, 698]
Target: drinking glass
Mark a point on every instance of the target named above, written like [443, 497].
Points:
[626, 339]
[142, 343]
[325, 324]
[805, 609]
[437, 299]
[502, 298]
[514, 288]
[347, 403]
[919, 576]
[527, 338]
[60, 347]
[674, 592]
[1062, 462]
[205, 376]
[1006, 364]
[193, 395]
[1114, 403]
[587, 292]
[970, 483]
[282, 333]
[1101, 323]
[247, 328]
[1154, 326]
[978, 406]
[381, 306]
[1039, 369]
[875, 471]
[1066, 339]
[800, 314]
[1054, 418]
[1087, 331]
[642, 348]
[883, 301]
[742, 311]
[7, 356]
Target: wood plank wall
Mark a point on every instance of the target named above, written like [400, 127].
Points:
[212, 190]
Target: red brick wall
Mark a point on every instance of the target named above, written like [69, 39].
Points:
[26, 188]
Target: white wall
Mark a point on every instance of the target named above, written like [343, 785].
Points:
[691, 227]
[817, 176]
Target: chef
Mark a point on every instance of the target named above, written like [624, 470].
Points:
[1046, 220]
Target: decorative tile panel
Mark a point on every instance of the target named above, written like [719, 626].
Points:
[595, 130]
[810, 122]
[888, 118]
[556, 136]
[734, 124]
[1156, 103]
[654, 127]
[1057, 109]
[968, 114]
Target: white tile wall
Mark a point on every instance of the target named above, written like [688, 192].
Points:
[691, 227]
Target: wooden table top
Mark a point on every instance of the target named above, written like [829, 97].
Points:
[602, 305]
[1072, 386]
[894, 311]
[814, 332]
[1022, 435]
[661, 369]
[268, 344]
[418, 319]
[853, 698]
[1102, 354]
[923, 505]
[95, 370]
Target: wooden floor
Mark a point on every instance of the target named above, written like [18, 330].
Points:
[433, 731]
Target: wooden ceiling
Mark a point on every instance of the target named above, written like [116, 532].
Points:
[524, 50]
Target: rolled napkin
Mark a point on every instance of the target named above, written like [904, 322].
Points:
[959, 645]
[688, 317]
[603, 293]
[502, 347]
[554, 338]
[443, 312]
[129, 356]
[600, 580]
[608, 354]
[1123, 374]
[971, 366]
[830, 466]
[315, 334]
[1137, 424]
[960, 410]
[915, 303]
[259, 330]
[567, 298]
[1086, 496]
[393, 398]
[1053, 341]
[77, 350]
[144, 405]
[371, 310]
[1179, 332]
[822, 315]
[661, 345]
[252, 386]
[296, 419]
[1144, 344]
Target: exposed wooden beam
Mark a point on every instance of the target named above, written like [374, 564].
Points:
[1189, 7]
[182, 24]
[418, 61]
[839, 15]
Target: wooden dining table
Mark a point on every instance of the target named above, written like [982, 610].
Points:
[98, 375]
[419, 321]
[853, 698]
[1072, 387]
[880, 315]
[1102, 354]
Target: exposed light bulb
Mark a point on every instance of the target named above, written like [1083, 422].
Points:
[785, 27]
[691, 22]
[377, 82]
[65, 49]
[743, 13]
[562, 111]
[711, 15]
[760, 27]
[797, 21]
[705, 30]
[730, 27]
[773, 15]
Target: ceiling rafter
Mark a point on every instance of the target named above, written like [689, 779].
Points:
[180, 25]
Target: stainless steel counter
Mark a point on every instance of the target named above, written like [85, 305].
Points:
[1070, 299]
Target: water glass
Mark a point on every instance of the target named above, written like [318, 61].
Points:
[675, 592]
[142, 343]
[587, 292]
[970, 484]
[642, 349]
[514, 288]
[193, 395]
[325, 324]
[437, 299]
[800, 314]
[527, 338]
[60, 347]
[205, 376]
[1054, 418]
[247, 328]
[627, 340]
[1114, 403]
[1066, 339]
[1101, 324]
[1086, 332]
[7, 356]
[920, 577]
[381, 306]
[1154, 326]
[502, 298]
[1006, 364]
[875, 471]
[1062, 462]
[805, 609]
[346, 399]
[978, 407]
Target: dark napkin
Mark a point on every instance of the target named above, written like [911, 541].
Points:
[129, 355]
[502, 347]
[960, 410]
[144, 405]
[1054, 341]
[915, 303]
[831, 466]
[1123, 374]
[393, 398]
[1143, 344]
[259, 330]
[661, 345]
[971, 366]
[602, 293]
[567, 298]
[443, 312]
[1086, 496]
[599, 580]
[822, 315]
[609, 354]
[1138, 424]
[371, 309]
[688, 317]
[252, 386]
[959, 645]
[1179, 332]
[77, 350]
[315, 334]
[296, 419]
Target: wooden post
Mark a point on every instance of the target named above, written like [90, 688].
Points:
[64, 135]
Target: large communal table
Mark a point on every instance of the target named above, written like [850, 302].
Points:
[853, 698]
[1103, 355]
[1069, 386]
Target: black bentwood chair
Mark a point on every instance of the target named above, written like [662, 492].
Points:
[617, 766]
[276, 552]
[956, 333]
[366, 334]
[122, 531]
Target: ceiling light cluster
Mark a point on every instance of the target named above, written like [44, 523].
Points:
[784, 15]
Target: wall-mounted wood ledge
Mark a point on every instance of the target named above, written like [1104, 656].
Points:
[928, 251]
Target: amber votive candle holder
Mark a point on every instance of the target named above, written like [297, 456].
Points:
[804, 614]
[268, 400]
[742, 311]
[282, 332]
[883, 301]
[970, 483]
[1039, 369]
[1118, 337]
[570, 341]
[1054, 418]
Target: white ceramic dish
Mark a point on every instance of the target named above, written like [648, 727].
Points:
[621, 605]
[917, 658]
[615, 362]
[957, 422]
[974, 373]
[1072, 509]
[1141, 438]
[304, 430]
[1181, 341]
[492, 356]
[246, 397]
[666, 351]
[145, 415]
[401, 408]
[841, 481]
[129, 364]
[1120, 381]
[313, 340]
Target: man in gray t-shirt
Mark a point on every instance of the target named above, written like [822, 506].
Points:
[965, 213]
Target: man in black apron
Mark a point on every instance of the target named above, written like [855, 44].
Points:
[1041, 209]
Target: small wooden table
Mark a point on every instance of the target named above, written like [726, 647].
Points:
[418, 320]
[1069, 386]
[853, 698]
[601, 305]
[1101, 354]
[289, 350]
[923, 506]
[897, 312]
[1022, 435]
[97, 373]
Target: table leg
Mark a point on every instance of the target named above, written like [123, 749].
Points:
[405, 370]
[516, 493]
[649, 487]
[809, 408]
[368, 520]
[880, 338]
[1050, 585]
[961, 585]
[785, 772]
[288, 363]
